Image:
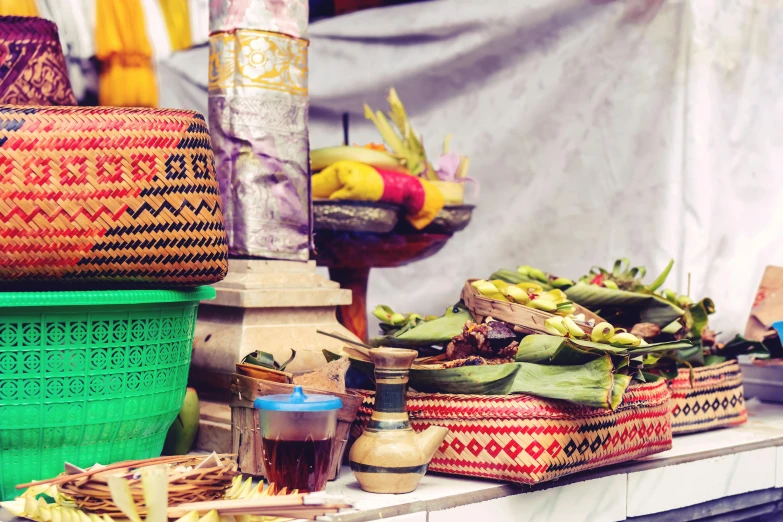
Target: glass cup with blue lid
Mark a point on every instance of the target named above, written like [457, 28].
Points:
[297, 433]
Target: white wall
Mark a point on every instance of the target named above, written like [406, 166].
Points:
[598, 129]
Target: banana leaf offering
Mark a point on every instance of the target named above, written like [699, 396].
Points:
[622, 297]
[639, 335]
[414, 331]
[590, 384]
[619, 296]
[494, 359]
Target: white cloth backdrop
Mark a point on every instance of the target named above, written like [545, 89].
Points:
[598, 129]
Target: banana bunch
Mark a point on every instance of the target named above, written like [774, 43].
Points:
[389, 317]
[603, 333]
[539, 275]
[327, 156]
[528, 294]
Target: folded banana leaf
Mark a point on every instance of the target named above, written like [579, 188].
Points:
[495, 379]
[589, 384]
[645, 308]
[538, 348]
[741, 346]
[437, 331]
[549, 349]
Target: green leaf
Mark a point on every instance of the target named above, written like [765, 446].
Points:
[693, 355]
[575, 351]
[293, 356]
[740, 346]
[651, 377]
[259, 358]
[621, 383]
[647, 308]
[682, 344]
[487, 379]
[712, 360]
[672, 328]
[655, 285]
[438, 331]
[538, 348]
[697, 316]
[589, 384]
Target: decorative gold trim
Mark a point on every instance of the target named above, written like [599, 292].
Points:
[248, 60]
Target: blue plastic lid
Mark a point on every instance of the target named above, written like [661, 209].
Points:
[298, 401]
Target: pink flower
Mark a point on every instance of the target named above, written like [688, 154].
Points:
[447, 166]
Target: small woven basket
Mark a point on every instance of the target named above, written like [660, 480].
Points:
[185, 485]
[716, 398]
[527, 440]
[32, 65]
[109, 195]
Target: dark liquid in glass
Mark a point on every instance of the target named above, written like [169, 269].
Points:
[298, 464]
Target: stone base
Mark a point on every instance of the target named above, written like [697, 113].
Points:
[272, 306]
[214, 430]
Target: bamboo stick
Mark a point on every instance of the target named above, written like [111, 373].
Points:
[118, 465]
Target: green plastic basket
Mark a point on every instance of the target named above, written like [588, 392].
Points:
[90, 377]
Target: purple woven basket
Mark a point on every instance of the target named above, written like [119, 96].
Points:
[32, 65]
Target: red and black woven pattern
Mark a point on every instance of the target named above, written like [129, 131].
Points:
[109, 194]
[713, 397]
[32, 65]
[527, 440]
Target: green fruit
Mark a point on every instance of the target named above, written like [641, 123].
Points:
[554, 325]
[684, 301]
[182, 432]
[535, 273]
[608, 283]
[561, 282]
[573, 328]
[547, 305]
[602, 332]
[397, 319]
[517, 294]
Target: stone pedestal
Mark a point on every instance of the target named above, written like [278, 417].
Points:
[272, 306]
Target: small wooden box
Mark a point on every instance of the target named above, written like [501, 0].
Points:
[246, 433]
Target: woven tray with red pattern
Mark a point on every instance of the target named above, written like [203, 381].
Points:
[109, 194]
[527, 440]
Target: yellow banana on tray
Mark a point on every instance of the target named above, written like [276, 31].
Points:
[555, 301]
[528, 294]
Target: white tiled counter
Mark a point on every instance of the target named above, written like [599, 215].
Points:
[736, 470]
[712, 473]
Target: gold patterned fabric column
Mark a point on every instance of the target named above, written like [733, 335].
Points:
[258, 105]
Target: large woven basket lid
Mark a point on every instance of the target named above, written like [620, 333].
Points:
[32, 65]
